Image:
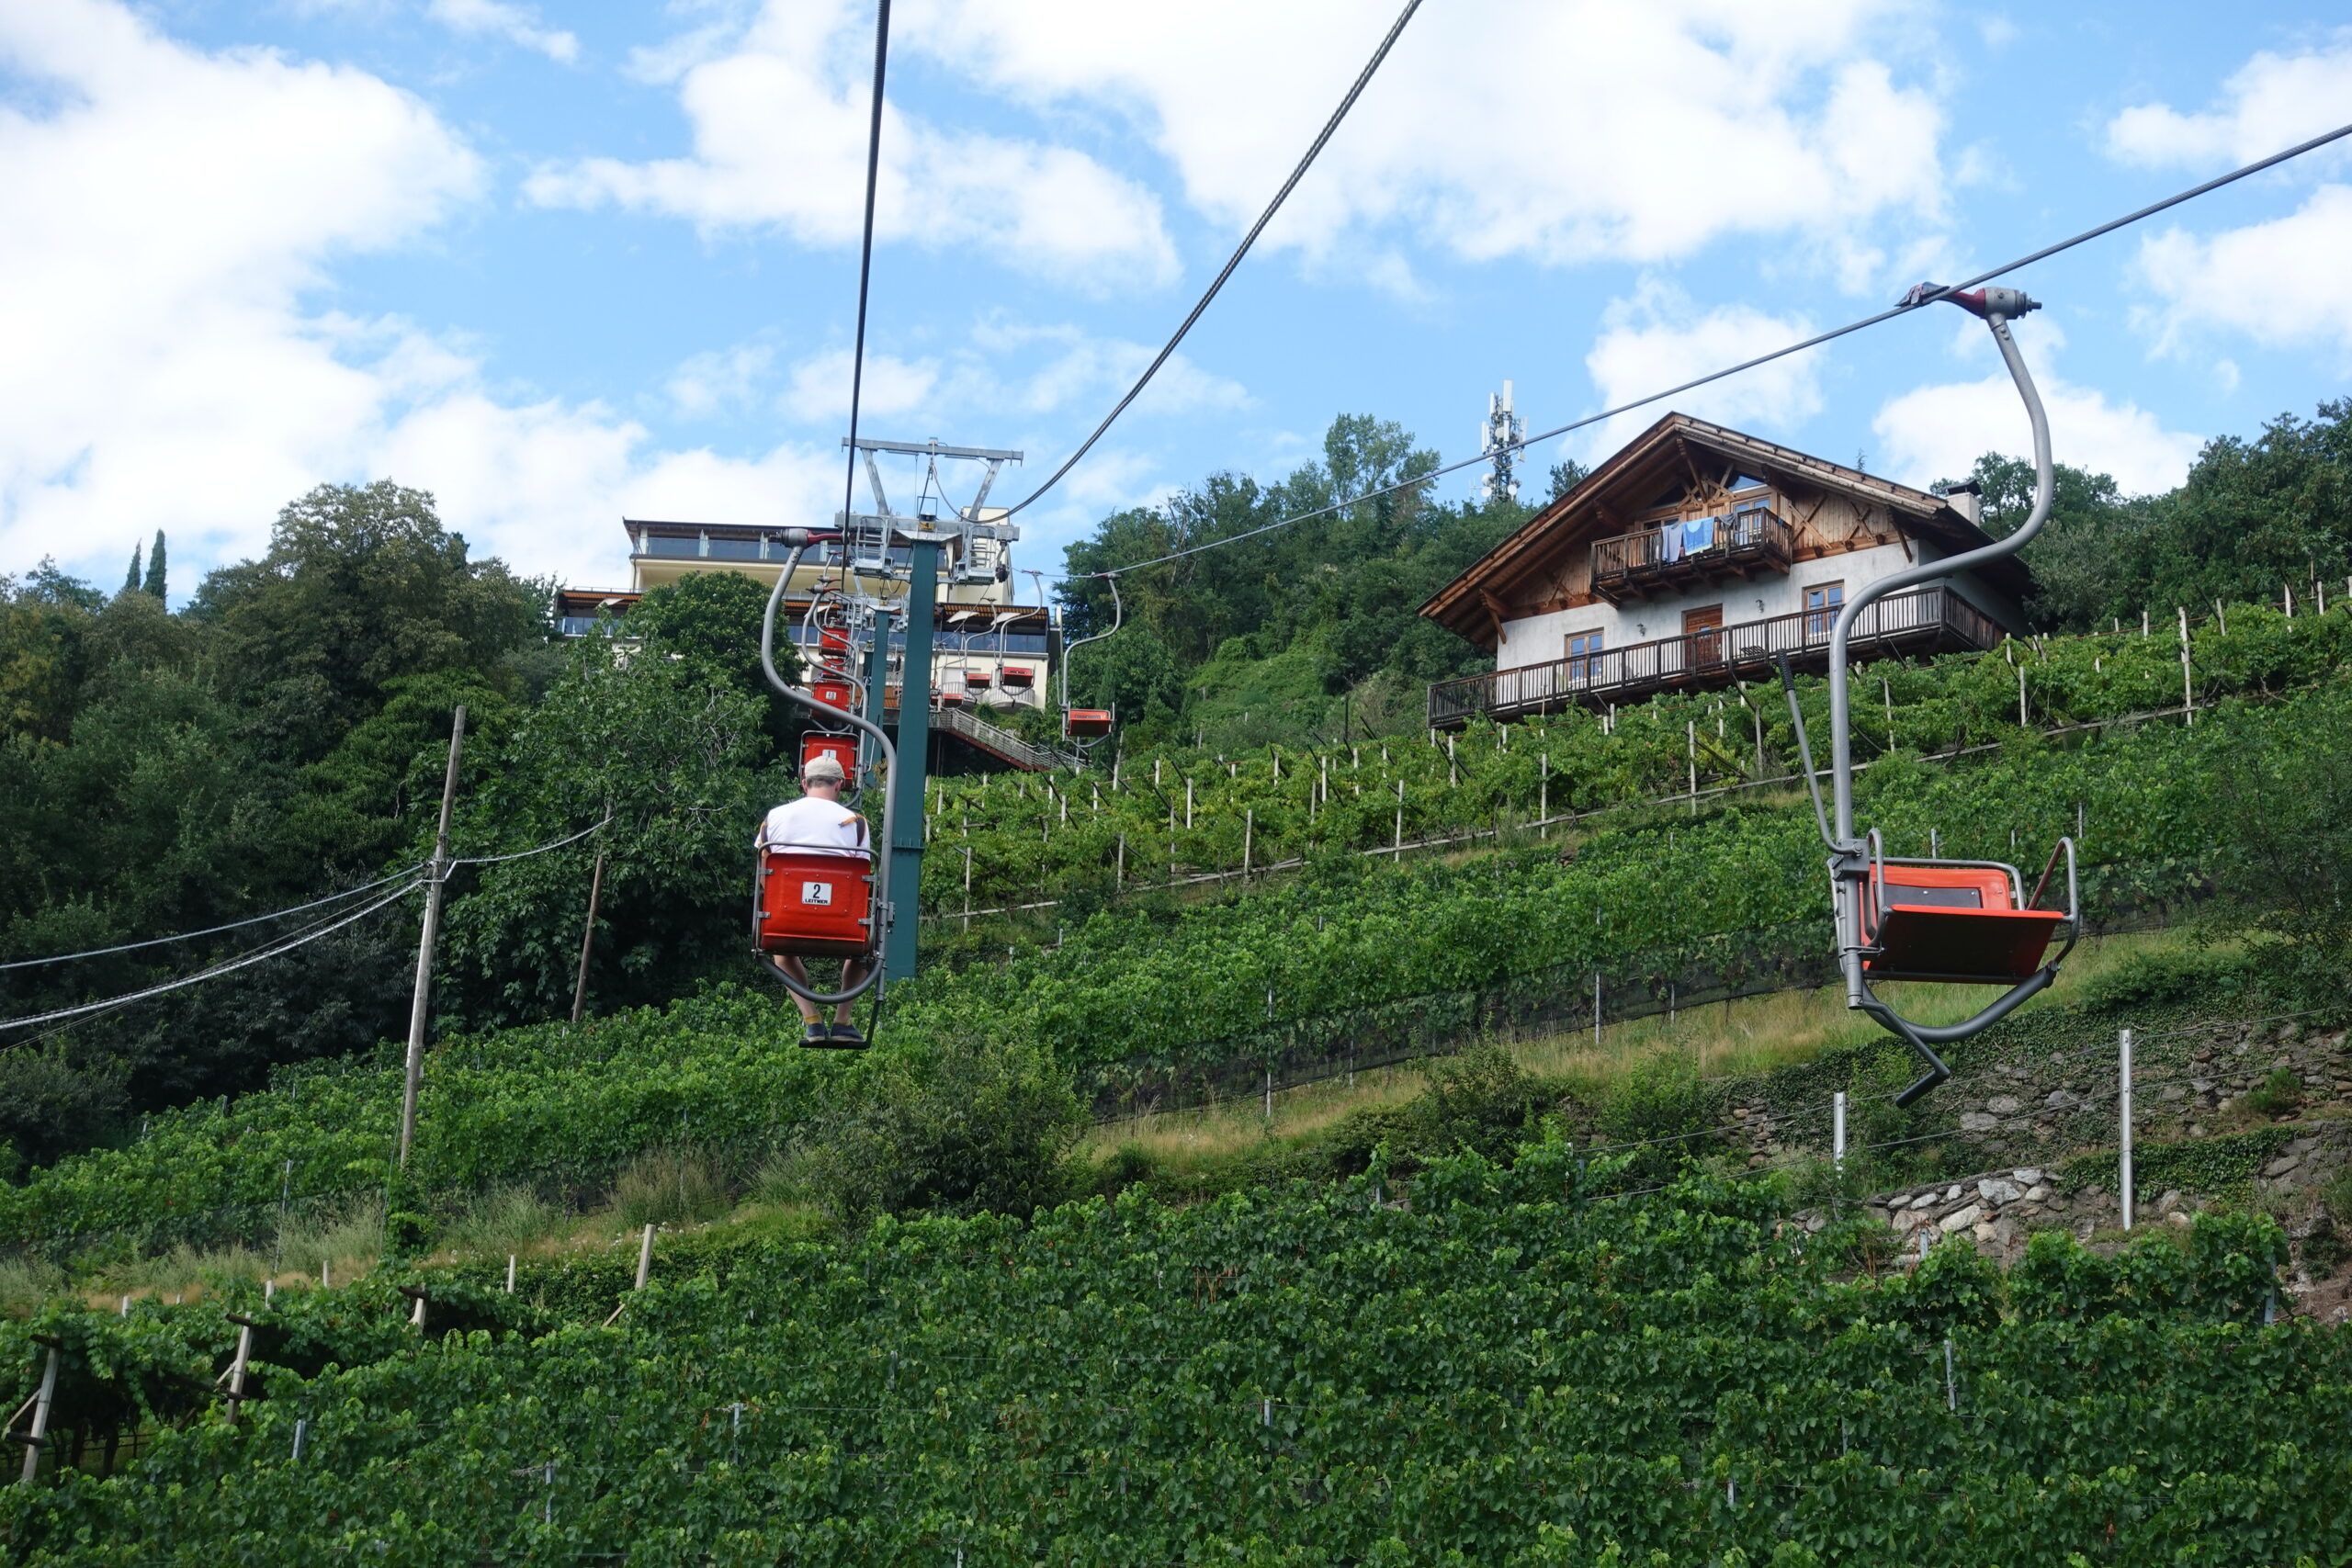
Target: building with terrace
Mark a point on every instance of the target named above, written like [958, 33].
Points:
[1698, 556]
[991, 655]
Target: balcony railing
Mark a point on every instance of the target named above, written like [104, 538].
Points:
[1748, 541]
[1925, 620]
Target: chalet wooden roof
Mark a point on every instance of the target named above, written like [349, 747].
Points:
[1627, 484]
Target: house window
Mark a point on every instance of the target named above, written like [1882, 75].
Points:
[1822, 603]
[1582, 648]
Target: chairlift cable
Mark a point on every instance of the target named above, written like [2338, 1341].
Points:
[1910, 303]
[214, 930]
[268, 950]
[866, 263]
[1363, 79]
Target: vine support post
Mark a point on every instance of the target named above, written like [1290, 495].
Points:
[588, 938]
[1544, 799]
[2187, 685]
[1400, 822]
[1837, 1129]
[1248, 838]
[645, 1258]
[2123, 1123]
[37, 1437]
[437, 878]
[1690, 740]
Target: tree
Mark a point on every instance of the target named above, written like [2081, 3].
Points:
[361, 585]
[131, 577]
[154, 585]
[672, 753]
[713, 619]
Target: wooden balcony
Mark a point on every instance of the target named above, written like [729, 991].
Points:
[1923, 621]
[1662, 560]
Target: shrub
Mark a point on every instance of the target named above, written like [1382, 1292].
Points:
[2276, 1094]
[1660, 1106]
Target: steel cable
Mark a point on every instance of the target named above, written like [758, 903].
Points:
[1913, 301]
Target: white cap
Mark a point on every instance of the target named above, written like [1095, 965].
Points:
[823, 765]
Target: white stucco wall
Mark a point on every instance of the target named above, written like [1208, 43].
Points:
[1537, 639]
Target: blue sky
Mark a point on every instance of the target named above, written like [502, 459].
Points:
[561, 264]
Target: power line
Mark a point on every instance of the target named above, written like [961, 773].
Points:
[1925, 295]
[270, 950]
[543, 849]
[866, 251]
[1363, 79]
[213, 931]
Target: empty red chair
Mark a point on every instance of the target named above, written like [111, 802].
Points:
[1948, 922]
[815, 905]
[1019, 677]
[842, 749]
[832, 693]
[1086, 723]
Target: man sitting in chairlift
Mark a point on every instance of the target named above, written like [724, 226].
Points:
[818, 822]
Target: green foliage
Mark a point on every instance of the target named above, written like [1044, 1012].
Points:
[1338, 595]
[1511, 1368]
[156, 583]
[673, 755]
[1658, 1106]
[965, 1128]
[2280, 1091]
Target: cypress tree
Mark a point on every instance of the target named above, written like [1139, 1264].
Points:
[130, 580]
[155, 584]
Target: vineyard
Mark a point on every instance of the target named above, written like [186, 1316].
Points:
[1519, 1367]
[1173, 815]
[1151, 988]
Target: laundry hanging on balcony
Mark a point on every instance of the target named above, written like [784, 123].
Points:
[1699, 534]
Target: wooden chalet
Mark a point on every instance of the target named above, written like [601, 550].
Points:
[1696, 555]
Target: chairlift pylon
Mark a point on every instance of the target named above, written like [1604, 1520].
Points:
[1953, 922]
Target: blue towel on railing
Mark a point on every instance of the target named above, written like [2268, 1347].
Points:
[1669, 543]
[1699, 534]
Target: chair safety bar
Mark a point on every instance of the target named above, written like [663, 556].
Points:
[798, 538]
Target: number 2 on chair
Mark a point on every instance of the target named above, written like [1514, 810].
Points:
[816, 893]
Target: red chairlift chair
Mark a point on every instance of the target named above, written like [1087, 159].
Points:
[814, 903]
[1019, 677]
[1950, 922]
[842, 749]
[1086, 723]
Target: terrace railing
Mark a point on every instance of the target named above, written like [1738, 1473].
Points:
[1924, 620]
[1748, 541]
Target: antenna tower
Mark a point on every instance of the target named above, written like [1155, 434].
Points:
[1498, 440]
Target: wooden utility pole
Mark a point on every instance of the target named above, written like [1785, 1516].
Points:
[588, 938]
[438, 875]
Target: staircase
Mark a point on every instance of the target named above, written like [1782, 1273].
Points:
[1002, 744]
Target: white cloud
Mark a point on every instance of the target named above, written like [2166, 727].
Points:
[2272, 102]
[166, 226]
[2281, 283]
[780, 127]
[1938, 432]
[1561, 129]
[819, 392]
[720, 378]
[1658, 339]
[518, 25]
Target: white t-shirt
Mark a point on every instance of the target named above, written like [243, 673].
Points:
[825, 826]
